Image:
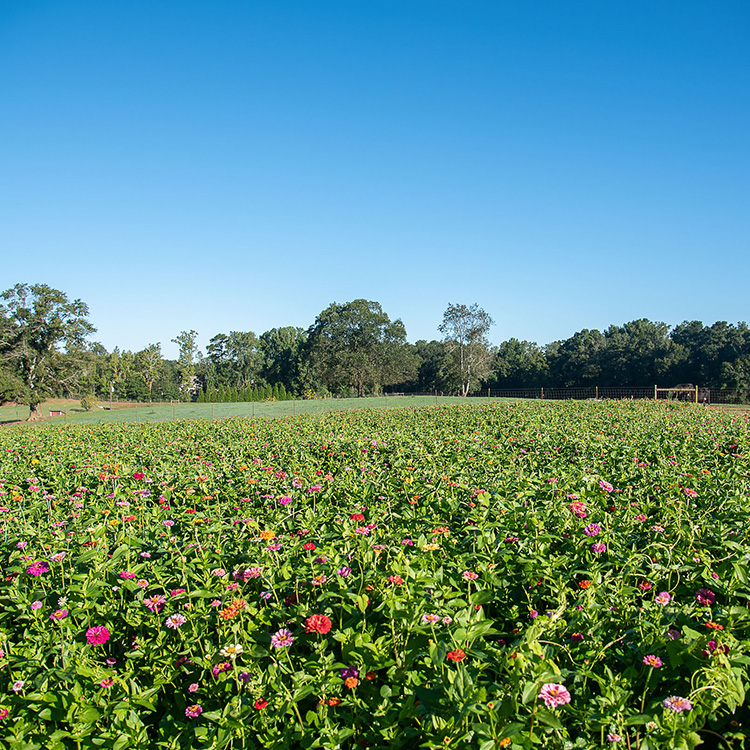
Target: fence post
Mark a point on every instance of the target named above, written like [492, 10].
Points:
[542, 392]
[696, 394]
[655, 389]
[597, 392]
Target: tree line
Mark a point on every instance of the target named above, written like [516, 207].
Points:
[352, 348]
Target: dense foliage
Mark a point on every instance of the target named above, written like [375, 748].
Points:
[352, 348]
[558, 575]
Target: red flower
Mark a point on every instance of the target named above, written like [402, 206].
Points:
[457, 655]
[357, 517]
[309, 546]
[260, 704]
[317, 624]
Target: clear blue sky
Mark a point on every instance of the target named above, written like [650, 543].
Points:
[217, 166]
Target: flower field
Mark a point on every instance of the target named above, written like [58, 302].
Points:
[517, 575]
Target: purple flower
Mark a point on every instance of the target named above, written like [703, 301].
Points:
[344, 572]
[349, 672]
[706, 597]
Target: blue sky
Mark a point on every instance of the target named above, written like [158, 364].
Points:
[224, 166]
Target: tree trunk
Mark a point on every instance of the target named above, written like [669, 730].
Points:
[35, 413]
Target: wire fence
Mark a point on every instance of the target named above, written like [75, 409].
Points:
[595, 392]
[705, 395]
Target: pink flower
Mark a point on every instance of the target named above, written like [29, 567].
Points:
[36, 605]
[470, 575]
[282, 638]
[652, 661]
[554, 695]
[677, 704]
[194, 711]
[97, 635]
[663, 597]
[59, 614]
[593, 529]
[176, 621]
[599, 547]
[606, 486]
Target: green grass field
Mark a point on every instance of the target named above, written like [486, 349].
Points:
[167, 412]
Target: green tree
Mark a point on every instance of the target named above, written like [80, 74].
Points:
[187, 358]
[282, 351]
[39, 327]
[577, 361]
[357, 345]
[149, 363]
[469, 359]
[519, 364]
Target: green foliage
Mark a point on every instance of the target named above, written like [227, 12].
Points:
[447, 546]
[89, 402]
[36, 322]
[357, 345]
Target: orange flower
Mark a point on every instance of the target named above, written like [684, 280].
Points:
[584, 584]
[333, 701]
[267, 534]
[351, 682]
[457, 655]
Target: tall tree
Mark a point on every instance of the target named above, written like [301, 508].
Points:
[40, 324]
[464, 332]
[149, 363]
[356, 344]
[282, 351]
[187, 358]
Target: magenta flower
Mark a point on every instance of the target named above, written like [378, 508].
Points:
[706, 597]
[59, 614]
[599, 547]
[97, 635]
[593, 529]
[194, 711]
[652, 661]
[554, 695]
[38, 568]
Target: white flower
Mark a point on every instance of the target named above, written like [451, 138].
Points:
[233, 650]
